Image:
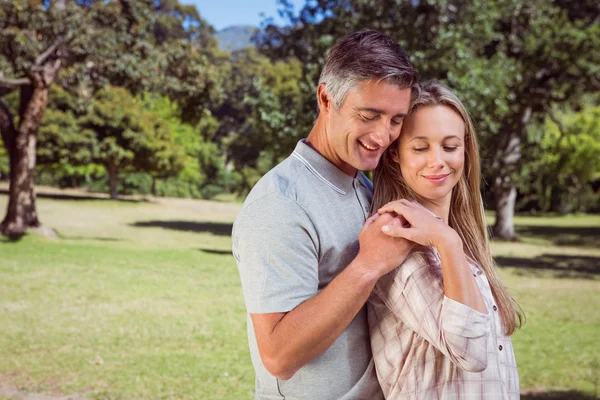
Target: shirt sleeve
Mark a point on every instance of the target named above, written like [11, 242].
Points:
[414, 294]
[276, 249]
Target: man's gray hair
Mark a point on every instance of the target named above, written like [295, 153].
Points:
[364, 56]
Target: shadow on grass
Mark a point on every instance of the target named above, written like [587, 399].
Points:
[61, 196]
[584, 236]
[217, 252]
[216, 228]
[560, 266]
[559, 395]
[92, 238]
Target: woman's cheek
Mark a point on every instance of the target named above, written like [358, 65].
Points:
[457, 162]
[414, 163]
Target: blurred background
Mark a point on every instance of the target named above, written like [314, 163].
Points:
[133, 129]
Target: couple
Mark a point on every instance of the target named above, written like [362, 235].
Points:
[403, 304]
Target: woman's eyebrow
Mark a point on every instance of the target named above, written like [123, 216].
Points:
[426, 138]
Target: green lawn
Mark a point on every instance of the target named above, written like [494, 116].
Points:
[141, 300]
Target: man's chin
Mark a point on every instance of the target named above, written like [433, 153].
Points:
[368, 165]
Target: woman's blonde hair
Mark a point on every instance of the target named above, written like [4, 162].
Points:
[466, 215]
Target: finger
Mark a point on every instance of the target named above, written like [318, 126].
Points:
[394, 206]
[370, 221]
[400, 221]
[397, 231]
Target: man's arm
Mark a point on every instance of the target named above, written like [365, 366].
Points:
[288, 341]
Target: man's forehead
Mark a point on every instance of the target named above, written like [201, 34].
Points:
[380, 95]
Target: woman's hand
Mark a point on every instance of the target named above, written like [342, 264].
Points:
[421, 225]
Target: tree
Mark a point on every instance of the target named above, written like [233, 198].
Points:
[203, 173]
[115, 132]
[83, 46]
[260, 118]
[564, 164]
[510, 61]
[126, 138]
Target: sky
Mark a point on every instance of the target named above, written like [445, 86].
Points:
[224, 13]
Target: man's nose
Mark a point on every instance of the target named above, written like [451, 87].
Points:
[383, 133]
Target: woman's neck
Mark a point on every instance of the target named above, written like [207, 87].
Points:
[441, 208]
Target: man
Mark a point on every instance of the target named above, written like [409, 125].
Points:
[298, 235]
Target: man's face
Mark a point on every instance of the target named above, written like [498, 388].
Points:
[368, 121]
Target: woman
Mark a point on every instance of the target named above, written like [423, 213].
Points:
[440, 322]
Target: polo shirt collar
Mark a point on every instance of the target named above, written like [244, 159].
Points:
[323, 168]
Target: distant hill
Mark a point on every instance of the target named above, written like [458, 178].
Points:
[236, 37]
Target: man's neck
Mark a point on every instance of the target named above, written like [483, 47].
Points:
[317, 140]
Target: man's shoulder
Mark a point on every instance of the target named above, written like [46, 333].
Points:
[286, 182]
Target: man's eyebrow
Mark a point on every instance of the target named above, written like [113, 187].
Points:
[379, 111]
[426, 138]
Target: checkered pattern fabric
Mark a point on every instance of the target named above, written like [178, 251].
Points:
[428, 346]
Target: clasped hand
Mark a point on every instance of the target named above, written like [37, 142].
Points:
[387, 237]
[419, 225]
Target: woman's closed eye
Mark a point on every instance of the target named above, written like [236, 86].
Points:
[450, 148]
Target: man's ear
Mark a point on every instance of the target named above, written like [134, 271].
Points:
[323, 99]
[393, 153]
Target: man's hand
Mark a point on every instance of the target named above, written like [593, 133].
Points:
[422, 226]
[380, 253]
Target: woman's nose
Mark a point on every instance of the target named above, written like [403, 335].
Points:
[435, 158]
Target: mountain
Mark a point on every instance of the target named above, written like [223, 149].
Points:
[236, 37]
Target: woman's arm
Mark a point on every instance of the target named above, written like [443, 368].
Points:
[415, 298]
[459, 282]
[449, 313]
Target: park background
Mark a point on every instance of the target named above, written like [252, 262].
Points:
[143, 126]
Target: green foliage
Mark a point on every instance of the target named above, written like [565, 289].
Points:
[89, 48]
[261, 118]
[510, 61]
[565, 161]
[126, 136]
[203, 174]
[144, 134]
[114, 132]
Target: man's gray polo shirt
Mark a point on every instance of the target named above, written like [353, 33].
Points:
[297, 230]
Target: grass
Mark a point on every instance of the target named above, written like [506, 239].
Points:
[141, 300]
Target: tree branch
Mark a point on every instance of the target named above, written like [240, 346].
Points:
[13, 83]
[559, 124]
[39, 60]
[50, 71]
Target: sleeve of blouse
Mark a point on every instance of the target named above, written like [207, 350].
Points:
[415, 295]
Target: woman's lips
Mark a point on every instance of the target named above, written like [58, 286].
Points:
[436, 178]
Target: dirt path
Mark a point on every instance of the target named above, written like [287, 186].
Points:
[10, 391]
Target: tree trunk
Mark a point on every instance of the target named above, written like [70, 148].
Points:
[153, 186]
[113, 180]
[505, 196]
[505, 192]
[21, 212]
